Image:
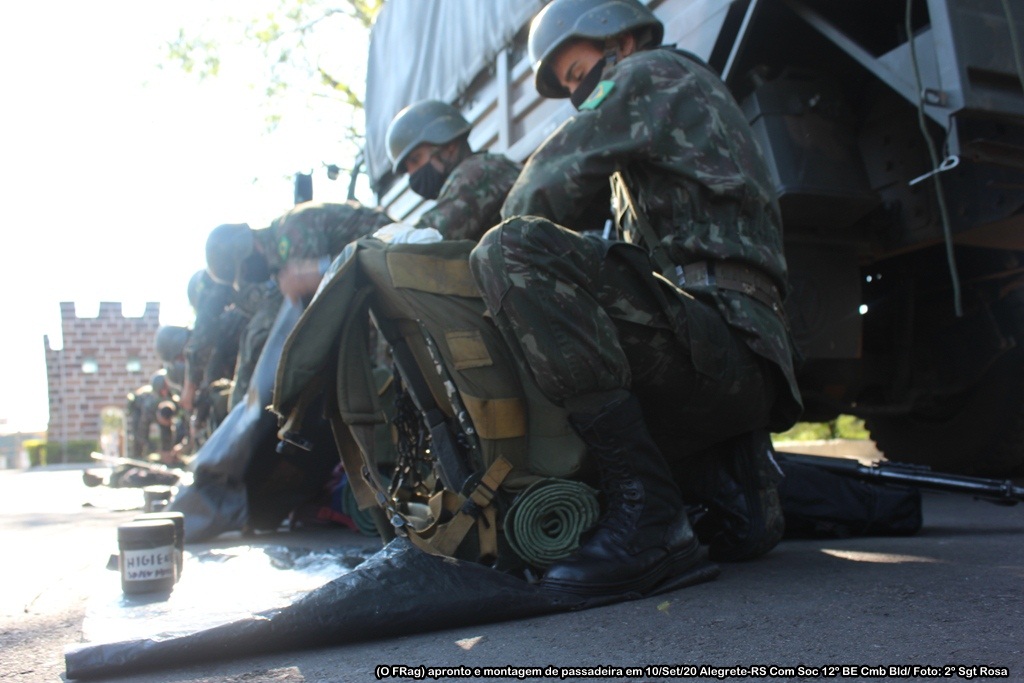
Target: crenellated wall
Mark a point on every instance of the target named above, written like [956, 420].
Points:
[108, 344]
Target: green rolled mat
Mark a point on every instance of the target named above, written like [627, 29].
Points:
[362, 518]
[545, 521]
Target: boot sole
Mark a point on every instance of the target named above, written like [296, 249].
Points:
[678, 565]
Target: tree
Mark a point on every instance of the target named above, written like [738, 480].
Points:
[308, 51]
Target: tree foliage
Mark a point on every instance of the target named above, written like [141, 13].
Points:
[304, 47]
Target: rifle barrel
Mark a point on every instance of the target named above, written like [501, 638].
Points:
[118, 460]
[996, 490]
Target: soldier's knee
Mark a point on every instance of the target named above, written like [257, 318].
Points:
[485, 247]
[519, 235]
[520, 242]
[495, 239]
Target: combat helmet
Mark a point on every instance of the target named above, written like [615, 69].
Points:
[429, 121]
[199, 282]
[170, 342]
[226, 247]
[159, 382]
[563, 20]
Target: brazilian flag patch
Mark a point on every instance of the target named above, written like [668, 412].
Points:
[284, 247]
[597, 97]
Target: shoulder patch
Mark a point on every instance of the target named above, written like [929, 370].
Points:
[597, 97]
[284, 247]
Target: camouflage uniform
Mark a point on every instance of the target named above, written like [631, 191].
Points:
[587, 316]
[315, 229]
[211, 354]
[205, 360]
[470, 201]
[141, 413]
[311, 230]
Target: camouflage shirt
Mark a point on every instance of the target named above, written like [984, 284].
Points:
[689, 158]
[212, 299]
[470, 200]
[316, 229]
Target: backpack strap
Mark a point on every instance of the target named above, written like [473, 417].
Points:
[628, 215]
[476, 509]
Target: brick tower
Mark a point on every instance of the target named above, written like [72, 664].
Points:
[102, 360]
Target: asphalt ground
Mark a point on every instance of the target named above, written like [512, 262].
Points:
[946, 604]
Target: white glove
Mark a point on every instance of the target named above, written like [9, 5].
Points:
[403, 233]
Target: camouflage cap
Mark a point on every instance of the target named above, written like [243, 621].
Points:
[564, 20]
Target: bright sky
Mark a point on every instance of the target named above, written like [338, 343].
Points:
[113, 171]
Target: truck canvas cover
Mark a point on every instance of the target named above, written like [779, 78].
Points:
[431, 50]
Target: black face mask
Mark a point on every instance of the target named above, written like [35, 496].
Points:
[587, 85]
[253, 268]
[427, 181]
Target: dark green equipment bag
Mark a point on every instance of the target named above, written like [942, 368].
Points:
[492, 433]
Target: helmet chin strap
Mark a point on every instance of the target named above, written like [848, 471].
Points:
[611, 55]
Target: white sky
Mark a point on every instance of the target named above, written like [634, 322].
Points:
[113, 172]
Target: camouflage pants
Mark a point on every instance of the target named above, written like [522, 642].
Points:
[585, 317]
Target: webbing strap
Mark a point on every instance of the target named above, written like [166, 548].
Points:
[624, 199]
[448, 536]
[444, 539]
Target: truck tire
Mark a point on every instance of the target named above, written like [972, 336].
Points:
[982, 432]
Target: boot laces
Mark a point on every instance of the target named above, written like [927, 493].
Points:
[625, 498]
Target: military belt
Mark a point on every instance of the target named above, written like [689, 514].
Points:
[735, 277]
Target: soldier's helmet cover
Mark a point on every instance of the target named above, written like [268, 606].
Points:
[226, 247]
[170, 342]
[564, 20]
[428, 121]
[197, 284]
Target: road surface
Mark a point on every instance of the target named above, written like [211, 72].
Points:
[947, 604]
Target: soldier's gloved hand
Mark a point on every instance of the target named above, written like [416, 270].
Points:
[403, 233]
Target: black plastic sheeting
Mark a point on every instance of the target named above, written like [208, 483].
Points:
[400, 590]
[216, 501]
[818, 503]
[237, 472]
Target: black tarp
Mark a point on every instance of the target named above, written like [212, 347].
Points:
[399, 590]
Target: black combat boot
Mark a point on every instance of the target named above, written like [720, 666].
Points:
[738, 487]
[644, 536]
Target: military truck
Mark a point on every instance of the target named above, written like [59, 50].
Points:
[895, 134]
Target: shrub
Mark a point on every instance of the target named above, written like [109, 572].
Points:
[843, 427]
[74, 450]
